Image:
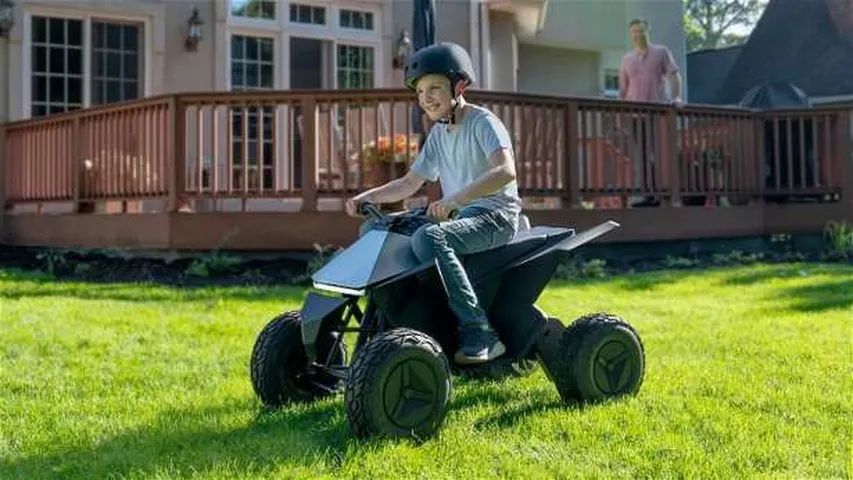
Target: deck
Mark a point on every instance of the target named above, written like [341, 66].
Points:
[269, 171]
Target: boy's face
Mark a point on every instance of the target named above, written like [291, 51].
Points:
[434, 95]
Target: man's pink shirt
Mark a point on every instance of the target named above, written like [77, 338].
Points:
[642, 76]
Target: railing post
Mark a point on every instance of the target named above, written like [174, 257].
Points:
[571, 171]
[3, 172]
[670, 155]
[77, 168]
[177, 137]
[845, 148]
[758, 120]
[309, 154]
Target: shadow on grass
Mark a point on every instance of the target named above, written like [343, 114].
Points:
[196, 440]
[39, 285]
[787, 270]
[829, 293]
[633, 281]
[199, 440]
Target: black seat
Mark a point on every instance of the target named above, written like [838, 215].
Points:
[524, 242]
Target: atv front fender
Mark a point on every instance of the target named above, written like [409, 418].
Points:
[319, 314]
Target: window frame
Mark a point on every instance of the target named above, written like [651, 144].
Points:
[87, 16]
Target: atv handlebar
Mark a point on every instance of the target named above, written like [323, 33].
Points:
[371, 210]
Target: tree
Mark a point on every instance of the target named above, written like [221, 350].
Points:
[719, 23]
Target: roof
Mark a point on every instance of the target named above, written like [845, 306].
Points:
[808, 43]
[707, 70]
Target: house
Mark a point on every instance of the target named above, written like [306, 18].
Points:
[62, 55]
[67, 54]
[807, 43]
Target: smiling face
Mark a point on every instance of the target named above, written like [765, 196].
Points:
[434, 95]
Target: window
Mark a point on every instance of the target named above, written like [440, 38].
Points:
[611, 82]
[307, 14]
[355, 67]
[57, 65]
[252, 62]
[115, 62]
[356, 19]
[263, 9]
[59, 81]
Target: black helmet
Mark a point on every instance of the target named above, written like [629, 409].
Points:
[443, 58]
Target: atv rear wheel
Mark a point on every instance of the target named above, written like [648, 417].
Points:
[398, 386]
[279, 364]
[601, 357]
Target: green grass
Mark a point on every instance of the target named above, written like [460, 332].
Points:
[748, 375]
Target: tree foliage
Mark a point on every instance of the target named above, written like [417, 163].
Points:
[719, 23]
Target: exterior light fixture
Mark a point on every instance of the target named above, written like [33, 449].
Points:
[7, 17]
[404, 46]
[194, 31]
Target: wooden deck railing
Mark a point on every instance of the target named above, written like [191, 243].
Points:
[216, 147]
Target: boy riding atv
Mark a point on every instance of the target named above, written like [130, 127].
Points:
[470, 152]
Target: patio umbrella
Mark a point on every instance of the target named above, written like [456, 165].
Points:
[423, 35]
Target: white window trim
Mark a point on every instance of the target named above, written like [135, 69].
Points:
[283, 29]
[147, 19]
[276, 45]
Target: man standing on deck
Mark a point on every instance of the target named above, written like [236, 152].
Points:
[641, 79]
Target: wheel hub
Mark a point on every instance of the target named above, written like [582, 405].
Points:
[614, 367]
[409, 393]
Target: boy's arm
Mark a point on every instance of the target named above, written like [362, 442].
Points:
[393, 191]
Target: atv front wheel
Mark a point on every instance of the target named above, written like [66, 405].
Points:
[279, 364]
[601, 357]
[398, 386]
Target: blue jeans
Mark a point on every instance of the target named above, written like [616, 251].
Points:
[472, 231]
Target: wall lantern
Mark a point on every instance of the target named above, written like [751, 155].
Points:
[404, 46]
[194, 32]
[7, 18]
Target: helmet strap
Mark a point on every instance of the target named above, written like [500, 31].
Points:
[454, 104]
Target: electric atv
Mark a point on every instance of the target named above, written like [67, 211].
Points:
[398, 383]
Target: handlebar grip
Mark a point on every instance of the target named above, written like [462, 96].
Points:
[367, 208]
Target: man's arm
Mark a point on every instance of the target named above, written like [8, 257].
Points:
[501, 171]
[623, 81]
[674, 80]
[394, 191]
[673, 76]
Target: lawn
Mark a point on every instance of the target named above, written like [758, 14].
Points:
[748, 375]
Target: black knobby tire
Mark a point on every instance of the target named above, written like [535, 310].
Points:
[601, 357]
[394, 365]
[279, 364]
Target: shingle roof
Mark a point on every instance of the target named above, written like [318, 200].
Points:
[806, 42]
[707, 70]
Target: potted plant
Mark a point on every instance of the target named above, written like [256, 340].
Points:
[384, 156]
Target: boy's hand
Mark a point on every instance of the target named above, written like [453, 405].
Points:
[442, 209]
[352, 206]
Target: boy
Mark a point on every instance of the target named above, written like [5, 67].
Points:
[470, 151]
